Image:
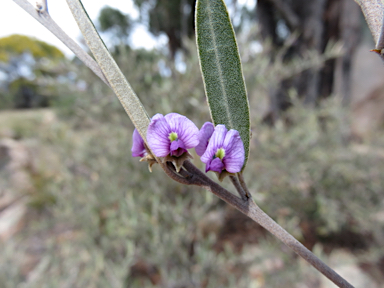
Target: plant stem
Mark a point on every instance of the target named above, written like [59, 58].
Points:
[243, 185]
[268, 223]
[250, 209]
[239, 188]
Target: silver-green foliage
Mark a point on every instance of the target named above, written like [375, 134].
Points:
[221, 68]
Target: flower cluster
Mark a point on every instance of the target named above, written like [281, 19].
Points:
[170, 136]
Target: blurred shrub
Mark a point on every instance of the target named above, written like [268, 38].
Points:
[19, 44]
[315, 181]
[31, 71]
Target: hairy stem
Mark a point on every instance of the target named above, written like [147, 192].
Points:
[239, 188]
[41, 15]
[243, 185]
[254, 212]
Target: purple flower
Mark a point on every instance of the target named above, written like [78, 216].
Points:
[138, 148]
[205, 134]
[225, 151]
[171, 134]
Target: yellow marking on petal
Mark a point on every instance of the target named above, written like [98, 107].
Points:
[173, 136]
[220, 153]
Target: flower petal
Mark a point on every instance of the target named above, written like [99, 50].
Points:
[157, 136]
[186, 130]
[215, 143]
[138, 148]
[215, 165]
[177, 148]
[234, 152]
[205, 134]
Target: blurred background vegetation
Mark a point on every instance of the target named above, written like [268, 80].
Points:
[76, 210]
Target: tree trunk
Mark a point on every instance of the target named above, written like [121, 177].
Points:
[317, 22]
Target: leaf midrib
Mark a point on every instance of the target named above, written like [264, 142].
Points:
[217, 58]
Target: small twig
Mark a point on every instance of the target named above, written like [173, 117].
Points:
[183, 177]
[250, 209]
[243, 185]
[41, 15]
[238, 187]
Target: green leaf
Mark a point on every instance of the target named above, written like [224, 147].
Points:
[112, 72]
[221, 68]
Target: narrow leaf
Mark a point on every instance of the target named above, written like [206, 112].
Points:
[221, 68]
[112, 72]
